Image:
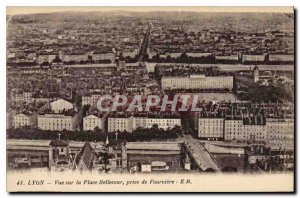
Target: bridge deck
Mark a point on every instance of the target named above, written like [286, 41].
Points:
[201, 156]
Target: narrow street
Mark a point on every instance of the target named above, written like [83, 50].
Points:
[144, 45]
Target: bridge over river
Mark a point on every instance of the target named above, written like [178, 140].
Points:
[200, 155]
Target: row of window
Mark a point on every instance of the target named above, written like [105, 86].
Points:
[54, 121]
[91, 120]
[22, 119]
[55, 128]
[54, 124]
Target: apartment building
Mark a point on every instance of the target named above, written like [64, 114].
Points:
[18, 97]
[120, 124]
[91, 122]
[91, 99]
[58, 122]
[27, 97]
[24, 119]
[23, 97]
[280, 132]
[131, 123]
[211, 128]
[236, 130]
[163, 123]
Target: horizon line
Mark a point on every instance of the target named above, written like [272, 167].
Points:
[23, 10]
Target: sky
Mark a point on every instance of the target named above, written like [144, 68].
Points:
[14, 10]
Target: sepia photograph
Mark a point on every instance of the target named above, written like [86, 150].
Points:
[150, 99]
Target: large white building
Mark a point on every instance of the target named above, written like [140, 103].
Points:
[163, 123]
[58, 122]
[131, 123]
[91, 122]
[61, 117]
[120, 124]
[22, 120]
[197, 82]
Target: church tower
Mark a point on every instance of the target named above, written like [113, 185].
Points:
[59, 155]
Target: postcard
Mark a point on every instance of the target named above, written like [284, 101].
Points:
[150, 99]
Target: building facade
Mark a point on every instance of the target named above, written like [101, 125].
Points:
[22, 120]
[236, 130]
[91, 122]
[163, 123]
[280, 133]
[275, 132]
[197, 82]
[211, 128]
[90, 99]
[58, 122]
[139, 122]
[131, 123]
[120, 124]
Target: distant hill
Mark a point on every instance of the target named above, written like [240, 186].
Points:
[235, 20]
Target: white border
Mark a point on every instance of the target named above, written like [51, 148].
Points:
[5, 3]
